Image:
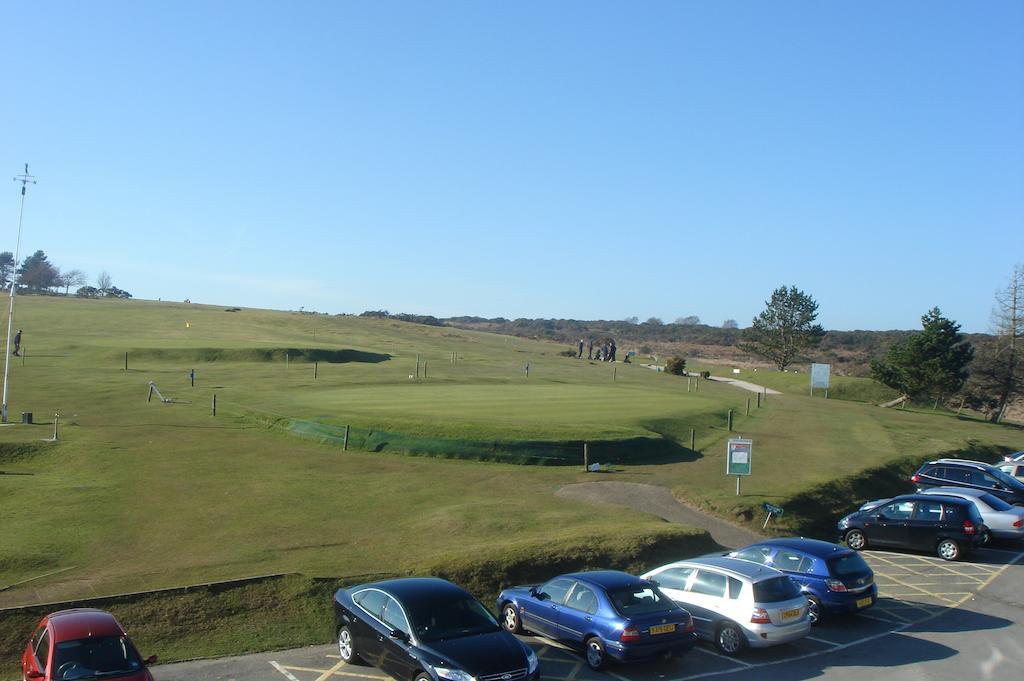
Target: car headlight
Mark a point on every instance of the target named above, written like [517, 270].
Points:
[453, 674]
[531, 660]
[844, 522]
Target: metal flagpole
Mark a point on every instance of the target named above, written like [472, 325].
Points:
[25, 179]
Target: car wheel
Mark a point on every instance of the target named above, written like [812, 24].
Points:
[510, 619]
[730, 639]
[856, 540]
[814, 612]
[948, 549]
[423, 676]
[596, 657]
[347, 646]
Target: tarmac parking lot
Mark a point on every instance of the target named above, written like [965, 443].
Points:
[913, 588]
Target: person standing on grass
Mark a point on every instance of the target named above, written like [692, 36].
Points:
[17, 343]
[611, 349]
[579, 355]
[590, 348]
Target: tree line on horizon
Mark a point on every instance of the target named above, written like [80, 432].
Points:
[938, 363]
[37, 274]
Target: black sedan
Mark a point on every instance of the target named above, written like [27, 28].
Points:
[427, 629]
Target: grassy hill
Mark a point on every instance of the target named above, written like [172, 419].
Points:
[139, 495]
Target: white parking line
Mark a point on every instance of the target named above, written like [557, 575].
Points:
[821, 640]
[287, 674]
[722, 657]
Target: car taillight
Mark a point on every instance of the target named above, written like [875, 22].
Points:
[689, 625]
[835, 585]
[968, 527]
[1019, 522]
[630, 634]
[915, 478]
[760, 616]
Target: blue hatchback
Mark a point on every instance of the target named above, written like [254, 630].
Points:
[608, 614]
[836, 579]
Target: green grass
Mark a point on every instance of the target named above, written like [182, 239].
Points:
[139, 495]
[795, 382]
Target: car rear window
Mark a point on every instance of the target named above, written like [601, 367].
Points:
[846, 565]
[995, 502]
[638, 600]
[775, 589]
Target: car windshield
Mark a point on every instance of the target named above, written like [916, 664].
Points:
[775, 589]
[995, 502]
[455, 618]
[848, 564]
[97, 656]
[639, 599]
[1007, 480]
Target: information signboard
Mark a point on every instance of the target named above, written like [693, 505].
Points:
[738, 457]
[819, 375]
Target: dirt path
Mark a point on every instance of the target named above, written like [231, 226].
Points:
[752, 387]
[659, 501]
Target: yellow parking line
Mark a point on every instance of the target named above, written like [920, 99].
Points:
[330, 672]
[571, 676]
[924, 591]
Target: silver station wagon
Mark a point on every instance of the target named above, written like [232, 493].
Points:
[736, 603]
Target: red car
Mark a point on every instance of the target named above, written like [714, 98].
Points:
[82, 643]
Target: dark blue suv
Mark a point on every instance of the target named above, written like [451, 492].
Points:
[835, 579]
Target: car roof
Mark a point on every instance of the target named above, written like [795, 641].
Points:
[955, 491]
[963, 462]
[413, 590]
[737, 566]
[920, 496]
[606, 579]
[814, 547]
[76, 623]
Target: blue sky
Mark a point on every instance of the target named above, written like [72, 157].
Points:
[571, 159]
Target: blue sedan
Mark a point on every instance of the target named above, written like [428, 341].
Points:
[835, 579]
[608, 614]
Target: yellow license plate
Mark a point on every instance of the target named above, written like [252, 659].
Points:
[663, 629]
[790, 614]
[864, 602]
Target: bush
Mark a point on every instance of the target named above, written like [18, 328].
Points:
[705, 374]
[676, 365]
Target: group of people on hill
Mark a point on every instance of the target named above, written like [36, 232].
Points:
[605, 351]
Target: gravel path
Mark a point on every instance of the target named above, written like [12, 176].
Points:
[659, 501]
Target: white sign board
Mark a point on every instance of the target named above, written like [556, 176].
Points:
[820, 375]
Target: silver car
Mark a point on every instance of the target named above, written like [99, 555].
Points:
[736, 603]
[1003, 520]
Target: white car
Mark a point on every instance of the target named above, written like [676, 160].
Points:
[736, 603]
[1013, 469]
[1002, 520]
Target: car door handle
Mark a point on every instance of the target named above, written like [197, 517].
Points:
[589, 618]
[380, 638]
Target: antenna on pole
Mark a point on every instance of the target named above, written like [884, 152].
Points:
[25, 179]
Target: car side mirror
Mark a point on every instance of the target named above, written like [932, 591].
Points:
[398, 635]
[654, 582]
[150, 660]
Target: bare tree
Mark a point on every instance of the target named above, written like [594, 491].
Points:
[691, 320]
[104, 281]
[1008, 328]
[730, 324]
[72, 278]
